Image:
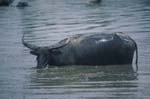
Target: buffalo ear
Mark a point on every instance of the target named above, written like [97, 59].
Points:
[34, 52]
[55, 52]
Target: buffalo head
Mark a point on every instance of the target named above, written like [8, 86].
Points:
[45, 55]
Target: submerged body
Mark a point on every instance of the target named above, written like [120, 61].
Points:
[87, 49]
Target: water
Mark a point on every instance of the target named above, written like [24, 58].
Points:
[45, 22]
[15, 2]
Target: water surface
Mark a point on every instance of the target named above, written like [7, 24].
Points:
[45, 22]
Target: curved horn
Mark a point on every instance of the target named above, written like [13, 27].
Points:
[31, 46]
[60, 44]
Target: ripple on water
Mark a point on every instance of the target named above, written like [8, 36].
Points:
[46, 22]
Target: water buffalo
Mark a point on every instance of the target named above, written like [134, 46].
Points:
[87, 49]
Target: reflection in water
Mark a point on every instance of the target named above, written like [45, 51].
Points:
[86, 73]
[98, 80]
[94, 2]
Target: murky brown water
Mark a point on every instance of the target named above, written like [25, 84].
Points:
[46, 22]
